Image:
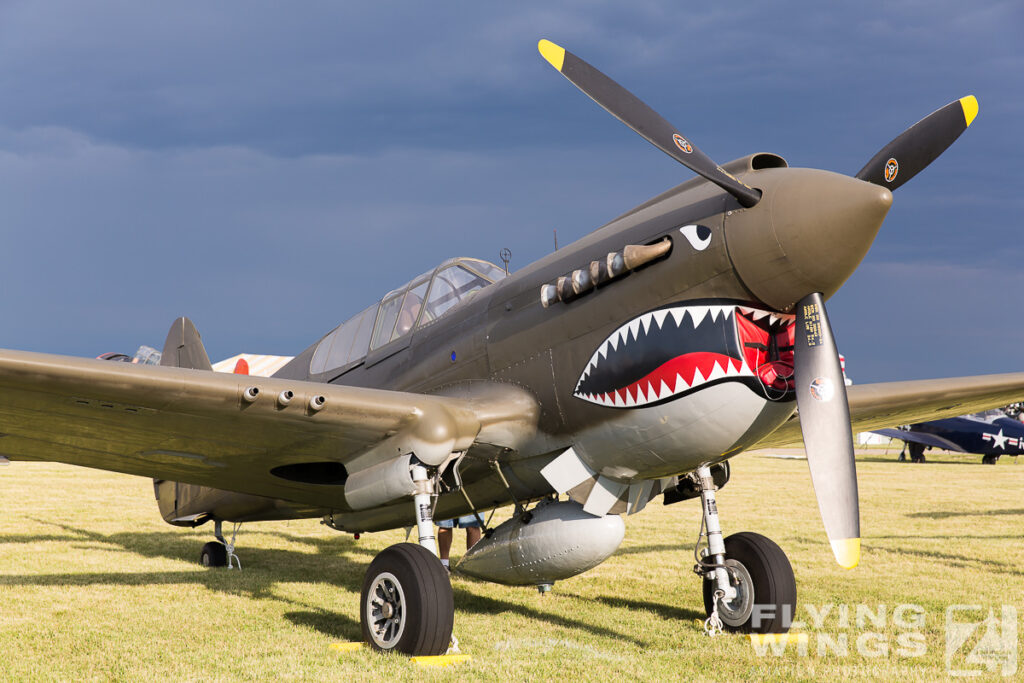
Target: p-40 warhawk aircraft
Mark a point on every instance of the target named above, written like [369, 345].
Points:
[630, 364]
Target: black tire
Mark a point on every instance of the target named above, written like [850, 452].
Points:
[916, 451]
[989, 459]
[410, 583]
[214, 554]
[772, 581]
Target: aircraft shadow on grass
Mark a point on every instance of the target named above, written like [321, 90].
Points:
[288, 566]
[662, 610]
[936, 459]
[331, 624]
[947, 514]
[950, 537]
[336, 625]
[948, 559]
[639, 550]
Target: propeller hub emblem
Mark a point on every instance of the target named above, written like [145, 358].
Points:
[892, 167]
[822, 389]
[681, 143]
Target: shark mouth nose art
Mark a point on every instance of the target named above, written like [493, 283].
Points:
[678, 349]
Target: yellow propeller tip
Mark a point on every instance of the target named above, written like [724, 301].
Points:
[551, 52]
[847, 552]
[970, 107]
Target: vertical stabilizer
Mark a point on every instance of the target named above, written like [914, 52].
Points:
[184, 347]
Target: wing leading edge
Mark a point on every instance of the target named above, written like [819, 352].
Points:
[920, 437]
[887, 404]
[212, 429]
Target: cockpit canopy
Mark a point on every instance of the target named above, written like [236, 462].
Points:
[990, 415]
[421, 301]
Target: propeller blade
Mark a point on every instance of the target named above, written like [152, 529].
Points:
[920, 145]
[825, 423]
[629, 109]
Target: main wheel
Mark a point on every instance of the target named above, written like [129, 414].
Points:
[406, 603]
[765, 599]
[989, 459]
[214, 554]
[916, 451]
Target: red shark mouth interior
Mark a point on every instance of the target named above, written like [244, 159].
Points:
[768, 349]
[676, 350]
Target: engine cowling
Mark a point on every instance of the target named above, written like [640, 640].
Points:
[559, 541]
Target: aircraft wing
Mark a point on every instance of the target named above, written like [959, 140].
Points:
[921, 438]
[888, 404]
[199, 427]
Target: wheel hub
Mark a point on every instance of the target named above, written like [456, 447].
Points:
[736, 611]
[385, 608]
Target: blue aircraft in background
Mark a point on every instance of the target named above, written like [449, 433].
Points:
[990, 434]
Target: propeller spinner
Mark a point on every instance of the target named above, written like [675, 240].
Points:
[854, 216]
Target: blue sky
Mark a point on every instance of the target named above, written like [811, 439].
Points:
[270, 169]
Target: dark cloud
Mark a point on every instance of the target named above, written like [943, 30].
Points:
[915, 320]
[268, 169]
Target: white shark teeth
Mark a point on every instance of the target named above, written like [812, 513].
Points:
[650, 392]
[634, 327]
[717, 372]
[697, 314]
[659, 317]
[665, 392]
[757, 314]
[645, 320]
[720, 311]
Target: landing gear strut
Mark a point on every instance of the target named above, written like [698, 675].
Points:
[220, 553]
[406, 603]
[748, 581]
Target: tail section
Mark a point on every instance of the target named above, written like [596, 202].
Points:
[184, 347]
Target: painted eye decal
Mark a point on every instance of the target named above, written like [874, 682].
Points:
[699, 236]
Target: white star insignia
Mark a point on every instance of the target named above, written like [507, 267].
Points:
[998, 440]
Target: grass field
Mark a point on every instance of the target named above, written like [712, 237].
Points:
[94, 586]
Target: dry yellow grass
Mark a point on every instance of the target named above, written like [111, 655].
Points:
[94, 586]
